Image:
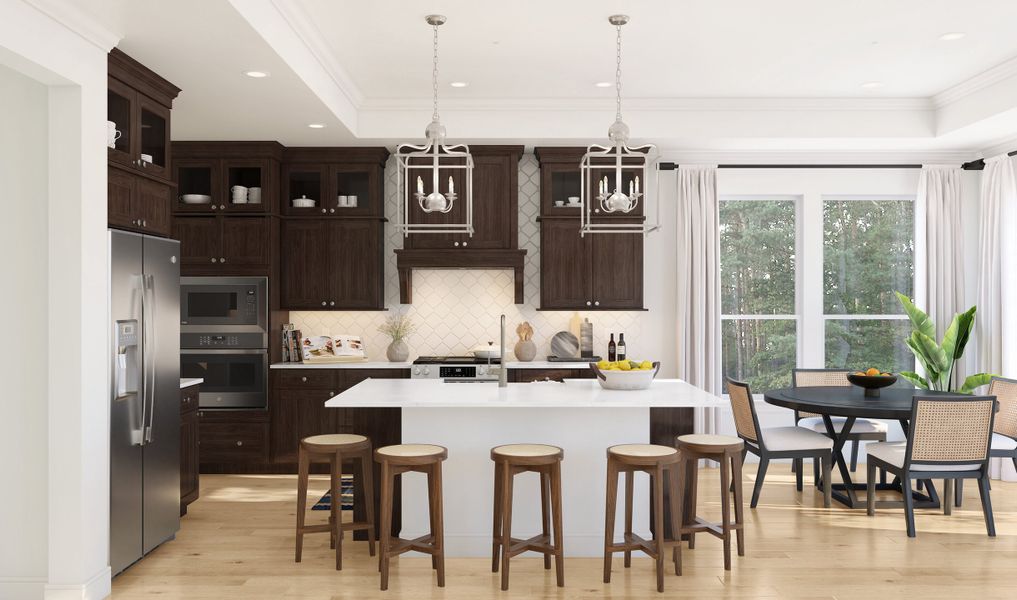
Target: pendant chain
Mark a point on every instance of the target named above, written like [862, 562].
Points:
[617, 75]
[434, 75]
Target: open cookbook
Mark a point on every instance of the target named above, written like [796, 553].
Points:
[332, 349]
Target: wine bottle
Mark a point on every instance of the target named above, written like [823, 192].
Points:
[611, 349]
[621, 346]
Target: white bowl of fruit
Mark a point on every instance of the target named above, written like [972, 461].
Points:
[625, 374]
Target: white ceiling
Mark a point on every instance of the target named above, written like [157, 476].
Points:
[716, 75]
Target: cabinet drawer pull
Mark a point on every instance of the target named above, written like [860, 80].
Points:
[239, 443]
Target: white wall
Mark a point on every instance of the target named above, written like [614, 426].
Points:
[23, 405]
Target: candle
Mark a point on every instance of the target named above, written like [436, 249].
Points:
[637, 184]
[451, 185]
[632, 188]
[420, 185]
[605, 184]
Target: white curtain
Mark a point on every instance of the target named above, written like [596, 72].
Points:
[698, 293]
[996, 320]
[939, 193]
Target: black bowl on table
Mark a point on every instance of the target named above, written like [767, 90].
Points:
[872, 383]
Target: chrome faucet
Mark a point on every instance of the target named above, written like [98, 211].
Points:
[502, 370]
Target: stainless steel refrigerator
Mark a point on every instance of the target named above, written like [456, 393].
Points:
[144, 301]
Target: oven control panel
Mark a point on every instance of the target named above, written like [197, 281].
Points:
[217, 341]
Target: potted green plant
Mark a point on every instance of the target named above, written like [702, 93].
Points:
[397, 327]
[939, 359]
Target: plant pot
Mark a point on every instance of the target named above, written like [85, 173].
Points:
[525, 351]
[397, 351]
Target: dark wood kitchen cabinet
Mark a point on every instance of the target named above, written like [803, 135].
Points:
[139, 103]
[529, 375]
[594, 272]
[224, 245]
[324, 175]
[232, 441]
[214, 169]
[332, 264]
[189, 448]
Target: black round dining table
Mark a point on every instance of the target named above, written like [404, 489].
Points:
[850, 403]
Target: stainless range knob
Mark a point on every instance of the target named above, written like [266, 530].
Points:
[416, 370]
[427, 371]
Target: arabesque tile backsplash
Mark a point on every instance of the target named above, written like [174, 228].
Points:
[456, 310]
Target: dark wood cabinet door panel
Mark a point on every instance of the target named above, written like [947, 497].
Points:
[233, 442]
[618, 270]
[306, 379]
[298, 414]
[246, 240]
[154, 136]
[355, 265]
[304, 274]
[565, 266]
[495, 215]
[119, 192]
[152, 204]
[200, 239]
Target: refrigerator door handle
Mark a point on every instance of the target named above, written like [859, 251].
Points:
[150, 344]
[138, 435]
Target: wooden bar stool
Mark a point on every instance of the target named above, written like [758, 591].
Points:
[654, 460]
[727, 450]
[509, 461]
[334, 448]
[418, 458]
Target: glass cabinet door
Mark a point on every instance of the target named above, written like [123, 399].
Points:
[198, 188]
[120, 112]
[154, 134]
[356, 189]
[304, 188]
[247, 186]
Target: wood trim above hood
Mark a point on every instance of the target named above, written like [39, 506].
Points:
[407, 260]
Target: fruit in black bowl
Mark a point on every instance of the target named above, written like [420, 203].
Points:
[872, 380]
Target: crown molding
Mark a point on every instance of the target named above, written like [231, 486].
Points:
[305, 29]
[992, 76]
[1000, 147]
[70, 15]
[819, 157]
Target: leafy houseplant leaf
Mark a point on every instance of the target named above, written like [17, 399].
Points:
[958, 333]
[916, 379]
[975, 381]
[919, 320]
[928, 364]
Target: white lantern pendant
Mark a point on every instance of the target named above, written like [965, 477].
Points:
[425, 165]
[611, 196]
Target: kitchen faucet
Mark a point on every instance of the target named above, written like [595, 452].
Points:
[502, 371]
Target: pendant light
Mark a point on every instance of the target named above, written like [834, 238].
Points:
[431, 166]
[614, 177]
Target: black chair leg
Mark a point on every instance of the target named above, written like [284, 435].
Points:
[909, 505]
[870, 489]
[798, 473]
[983, 491]
[958, 493]
[854, 455]
[760, 476]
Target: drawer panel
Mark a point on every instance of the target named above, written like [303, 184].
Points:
[305, 379]
[233, 442]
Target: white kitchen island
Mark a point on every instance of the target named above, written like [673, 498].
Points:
[471, 418]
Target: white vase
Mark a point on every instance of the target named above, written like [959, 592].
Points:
[397, 351]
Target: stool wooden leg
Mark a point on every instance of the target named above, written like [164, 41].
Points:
[629, 484]
[437, 507]
[736, 474]
[496, 527]
[725, 510]
[545, 509]
[304, 465]
[559, 536]
[611, 505]
[692, 472]
[675, 478]
[506, 524]
[385, 540]
[432, 514]
[367, 474]
[335, 507]
[658, 523]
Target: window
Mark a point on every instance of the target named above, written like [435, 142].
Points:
[814, 300]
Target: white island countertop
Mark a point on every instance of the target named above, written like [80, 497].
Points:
[186, 382]
[573, 393]
[382, 364]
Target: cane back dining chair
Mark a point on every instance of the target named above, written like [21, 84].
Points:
[1004, 431]
[949, 439]
[776, 442]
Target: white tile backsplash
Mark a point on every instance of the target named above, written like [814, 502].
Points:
[455, 310]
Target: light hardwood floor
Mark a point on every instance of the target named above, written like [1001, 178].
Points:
[237, 543]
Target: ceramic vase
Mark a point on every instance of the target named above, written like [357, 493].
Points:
[397, 351]
[525, 350]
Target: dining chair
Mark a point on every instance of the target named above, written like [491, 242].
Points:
[1004, 432]
[862, 430]
[949, 439]
[777, 442]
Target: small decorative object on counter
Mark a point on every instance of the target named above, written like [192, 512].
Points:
[575, 325]
[625, 374]
[564, 345]
[612, 351]
[342, 348]
[290, 343]
[397, 327]
[525, 350]
[621, 346]
[586, 339]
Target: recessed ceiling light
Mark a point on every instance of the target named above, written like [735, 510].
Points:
[603, 84]
[871, 85]
[316, 125]
[952, 36]
[459, 84]
[256, 74]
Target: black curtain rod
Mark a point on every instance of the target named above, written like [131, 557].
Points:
[978, 165]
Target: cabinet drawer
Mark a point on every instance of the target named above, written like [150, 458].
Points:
[528, 375]
[306, 379]
[233, 442]
[189, 399]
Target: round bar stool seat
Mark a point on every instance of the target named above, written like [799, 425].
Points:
[656, 461]
[416, 458]
[335, 448]
[509, 461]
[729, 451]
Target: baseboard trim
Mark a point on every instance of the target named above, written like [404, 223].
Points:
[99, 586]
[18, 588]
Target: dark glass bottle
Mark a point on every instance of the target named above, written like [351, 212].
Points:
[621, 346]
[611, 349]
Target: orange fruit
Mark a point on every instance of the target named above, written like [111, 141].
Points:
[872, 372]
[859, 373]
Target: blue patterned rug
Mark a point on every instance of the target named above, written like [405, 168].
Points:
[346, 495]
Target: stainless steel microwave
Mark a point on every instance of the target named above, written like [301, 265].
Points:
[223, 312]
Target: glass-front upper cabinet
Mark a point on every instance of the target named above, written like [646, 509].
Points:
[121, 114]
[154, 136]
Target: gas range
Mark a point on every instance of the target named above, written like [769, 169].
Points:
[456, 369]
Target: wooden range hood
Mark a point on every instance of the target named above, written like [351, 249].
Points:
[495, 241]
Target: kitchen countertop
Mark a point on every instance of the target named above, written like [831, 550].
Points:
[573, 393]
[382, 364]
[189, 381]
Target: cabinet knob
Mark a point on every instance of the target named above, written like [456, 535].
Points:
[596, 210]
[323, 303]
[213, 259]
[456, 244]
[464, 244]
[332, 303]
[331, 210]
[144, 223]
[597, 303]
[222, 207]
[222, 259]
[214, 207]
[588, 303]
[239, 443]
[304, 379]
[331, 393]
